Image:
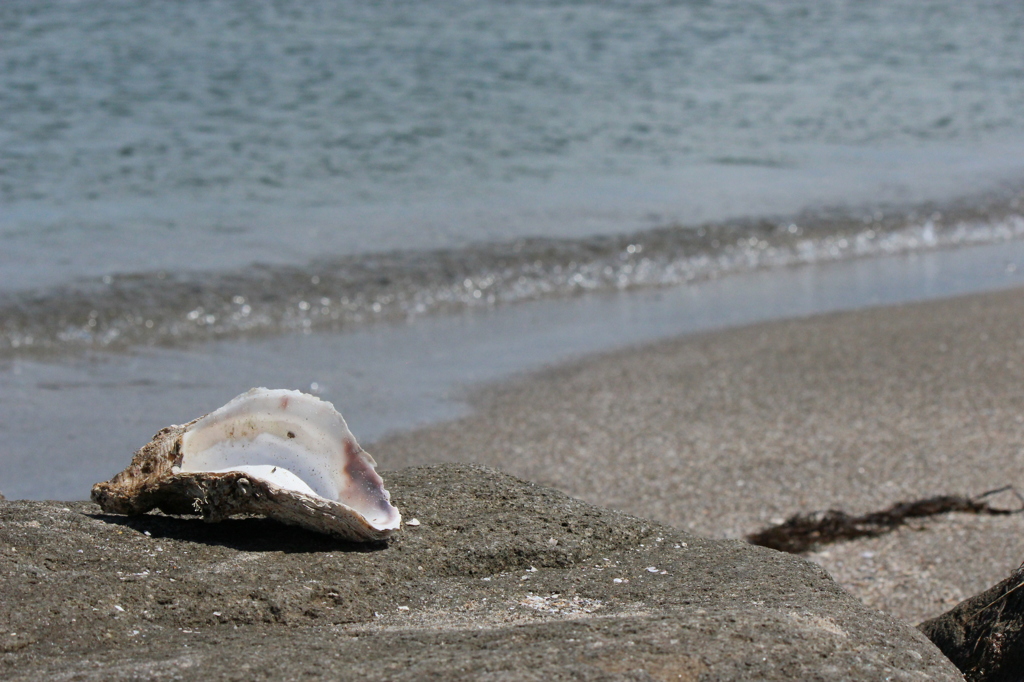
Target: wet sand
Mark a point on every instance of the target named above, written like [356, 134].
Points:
[722, 433]
[388, 378]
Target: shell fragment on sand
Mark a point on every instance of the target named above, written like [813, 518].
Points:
[283, 454]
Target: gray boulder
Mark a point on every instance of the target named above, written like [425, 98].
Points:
[501, 580]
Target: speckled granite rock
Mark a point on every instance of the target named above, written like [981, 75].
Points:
[503, 579]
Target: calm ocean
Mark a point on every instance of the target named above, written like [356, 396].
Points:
[182, 173]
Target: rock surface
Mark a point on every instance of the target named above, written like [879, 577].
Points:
[502, 579]
[984, 635]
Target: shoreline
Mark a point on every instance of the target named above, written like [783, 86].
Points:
[721, 433]
[391, 378]
[172, 308]
[698, 439]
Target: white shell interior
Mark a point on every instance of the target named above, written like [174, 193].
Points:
[294, 441]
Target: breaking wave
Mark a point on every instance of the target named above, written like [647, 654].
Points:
[119, 312]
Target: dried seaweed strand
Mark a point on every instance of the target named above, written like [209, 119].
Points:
[804, 532]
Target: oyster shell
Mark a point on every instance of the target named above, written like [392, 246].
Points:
[283, 454]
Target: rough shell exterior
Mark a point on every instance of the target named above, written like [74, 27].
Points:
[150, 483]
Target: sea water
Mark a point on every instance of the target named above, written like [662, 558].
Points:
[174, 174]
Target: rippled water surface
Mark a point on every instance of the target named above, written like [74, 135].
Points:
[199, 196]
[182, 170]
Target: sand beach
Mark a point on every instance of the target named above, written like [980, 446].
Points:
[724, 433]
[681, 270]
